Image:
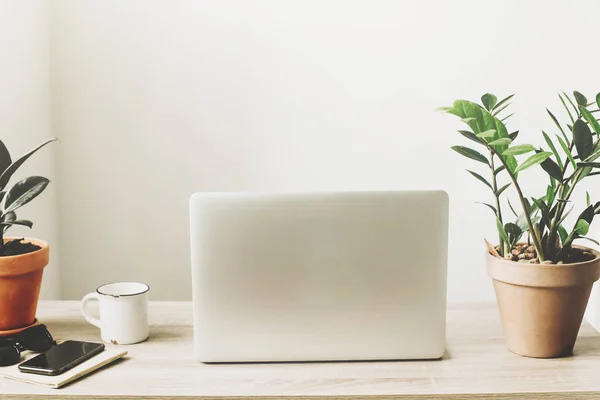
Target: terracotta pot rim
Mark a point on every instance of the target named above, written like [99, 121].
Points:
[544, 275]
[42, 243]
[548, 266]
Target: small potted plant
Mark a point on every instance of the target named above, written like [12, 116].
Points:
[542, 280]
[22, 260]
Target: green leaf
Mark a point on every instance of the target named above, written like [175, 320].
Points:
[481, 179]
[499, 169]
[507, 117]
[588, 165]
[582, 227]
[514, 232]
[522, 222]
[489, 101]
[490, 206]
[513, 135]
[590, 239]
[588, 200]
[567, 151]
[504, 100]
[594, 156]
[552, 169]
[490, 133]
[512, 209]
[533, 160]
[566, 214]
[499, 110]
[502, 189]
[5, 160]
[590, 119]
[22, 222]
[512, 228]
[23, 192]
[518, 149]
[501, 231]
[468, 119]
[544, 209]
[583, 138]
[553, 148]
[466, 109]
[598, 100]
[566, 108]
[8, 173]
[484, 121]
[511, 161]
[558, 125]
[470, 153]
[562, 232]
[587, 215]
[443, 109]
[471, 136]
[501, 142]
[550, 195]
[571, 102]
[522, 218]
[10, 216]
[585, 172]
[579, 98]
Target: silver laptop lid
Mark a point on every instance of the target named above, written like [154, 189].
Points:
[319, 276]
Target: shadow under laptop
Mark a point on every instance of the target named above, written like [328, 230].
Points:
[445, 356]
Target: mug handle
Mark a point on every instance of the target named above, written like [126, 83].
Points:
[84, 301]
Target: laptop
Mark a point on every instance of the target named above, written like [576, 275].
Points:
[319, 276]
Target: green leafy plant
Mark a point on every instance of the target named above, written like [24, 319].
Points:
[14, 197]
[572, 156]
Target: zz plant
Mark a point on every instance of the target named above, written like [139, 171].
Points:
[572, 157]
[14, 197]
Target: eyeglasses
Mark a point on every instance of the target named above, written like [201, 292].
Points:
[37, 339]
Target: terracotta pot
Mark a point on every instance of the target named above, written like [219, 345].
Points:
[20, 282]
[542, 305]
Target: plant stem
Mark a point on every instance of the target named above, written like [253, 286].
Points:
[503, 245]
[553, 233]
[561, 208]
[536, 239]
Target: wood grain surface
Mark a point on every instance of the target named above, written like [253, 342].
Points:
[477, 365]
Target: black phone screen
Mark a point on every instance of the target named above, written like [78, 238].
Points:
[61, 357]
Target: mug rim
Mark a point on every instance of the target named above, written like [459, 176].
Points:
[122, 295]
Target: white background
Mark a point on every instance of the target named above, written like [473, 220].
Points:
[154, 100]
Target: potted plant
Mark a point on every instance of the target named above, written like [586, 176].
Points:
[22, 260]
[542, 280]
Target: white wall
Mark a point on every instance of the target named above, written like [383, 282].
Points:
[158, 99]
[25, 118]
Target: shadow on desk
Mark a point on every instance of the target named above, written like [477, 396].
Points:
[446, 356]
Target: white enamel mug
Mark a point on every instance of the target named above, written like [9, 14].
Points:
[123, 312]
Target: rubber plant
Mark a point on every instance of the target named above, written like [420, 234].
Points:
[543, 282]
[14, 197]
[571, 157]
[22, 260]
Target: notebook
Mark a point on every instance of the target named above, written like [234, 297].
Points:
[55, 382]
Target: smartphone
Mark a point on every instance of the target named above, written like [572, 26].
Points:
[61, 358]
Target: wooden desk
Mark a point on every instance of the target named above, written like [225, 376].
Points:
[477, 366]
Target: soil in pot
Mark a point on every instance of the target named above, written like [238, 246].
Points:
[16, 247]
[525, 253]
